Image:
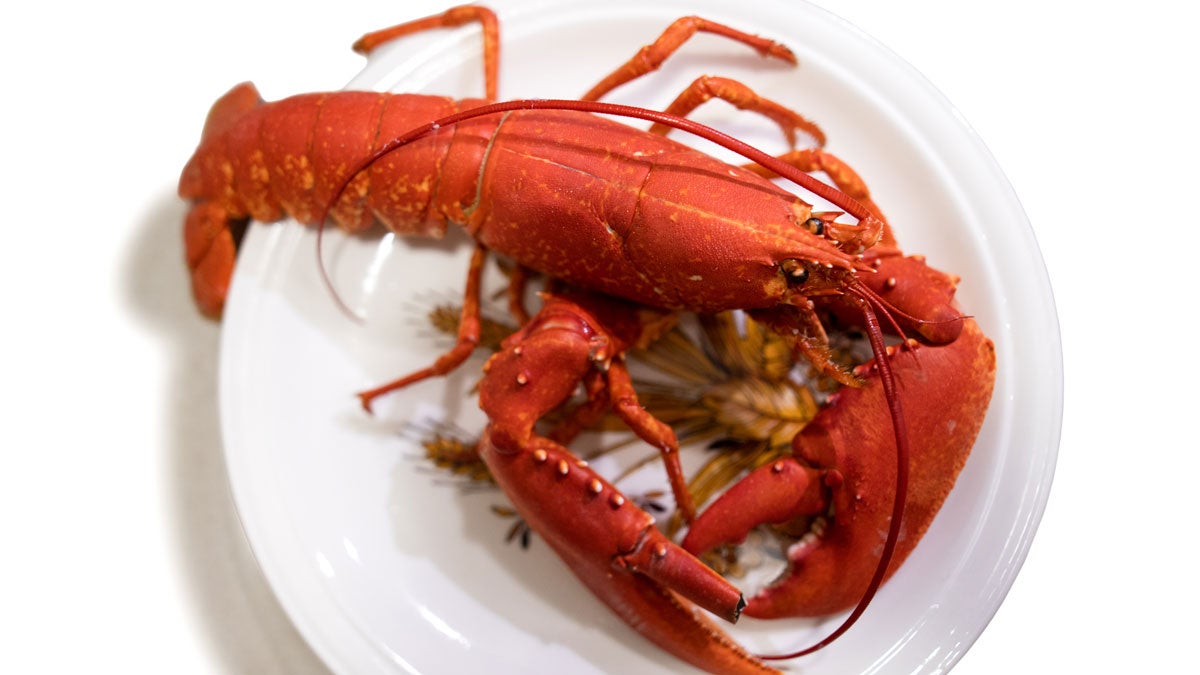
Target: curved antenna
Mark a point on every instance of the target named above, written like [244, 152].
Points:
[326, 280]
[900, 428]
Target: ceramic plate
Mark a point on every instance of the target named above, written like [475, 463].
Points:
[387, 566]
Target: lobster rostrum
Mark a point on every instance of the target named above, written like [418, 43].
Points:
[632, 214]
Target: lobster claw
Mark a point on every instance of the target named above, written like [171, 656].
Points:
[844, 468]
[610, 543]
[912, 289]
[774, 494]
[614, 548]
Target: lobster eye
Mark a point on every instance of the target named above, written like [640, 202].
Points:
[796, 271]
[815, 225]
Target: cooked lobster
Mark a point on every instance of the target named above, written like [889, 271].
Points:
[628, 213]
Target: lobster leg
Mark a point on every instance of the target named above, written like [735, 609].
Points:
[518, 281]
[468, 337]
[650, 57]
[802, 329]
[706, 88]
[451, 18]
[845, 178]
[652, 430]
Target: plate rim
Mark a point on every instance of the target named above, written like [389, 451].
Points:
[1048, 361]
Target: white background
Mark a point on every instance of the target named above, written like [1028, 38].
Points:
[120, 549]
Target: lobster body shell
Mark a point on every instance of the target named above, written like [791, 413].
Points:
[638, 215]
[568, 194]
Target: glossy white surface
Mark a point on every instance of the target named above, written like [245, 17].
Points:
[384, 568]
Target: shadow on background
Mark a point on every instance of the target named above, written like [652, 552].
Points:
[245, 624]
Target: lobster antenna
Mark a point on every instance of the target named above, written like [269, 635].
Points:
[326, 280]
[900, 428]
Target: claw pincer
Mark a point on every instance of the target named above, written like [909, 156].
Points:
[607, 541]
[842, 475]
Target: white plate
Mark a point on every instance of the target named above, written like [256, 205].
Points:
[386, 567]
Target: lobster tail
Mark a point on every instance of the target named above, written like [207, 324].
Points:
[210, 243]
[230, 108]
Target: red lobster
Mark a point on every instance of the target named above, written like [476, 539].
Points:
[632, 214]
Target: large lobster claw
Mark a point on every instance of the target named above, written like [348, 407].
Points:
[842, 476]
[607, 541]
[614, 548]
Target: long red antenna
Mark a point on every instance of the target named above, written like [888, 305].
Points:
[900, 428]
